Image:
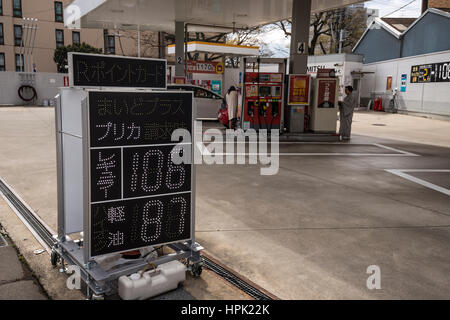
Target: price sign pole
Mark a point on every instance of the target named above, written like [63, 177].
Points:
[123, 180]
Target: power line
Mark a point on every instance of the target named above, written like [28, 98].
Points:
[399, 8]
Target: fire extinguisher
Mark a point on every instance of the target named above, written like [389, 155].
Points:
[378, 105]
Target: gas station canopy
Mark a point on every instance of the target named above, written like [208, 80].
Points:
[210, 47]
[160, 15]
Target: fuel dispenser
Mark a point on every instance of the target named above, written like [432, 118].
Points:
[263, 95]
[312, 102]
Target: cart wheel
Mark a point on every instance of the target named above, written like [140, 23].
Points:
[196, 270]
[54, 258]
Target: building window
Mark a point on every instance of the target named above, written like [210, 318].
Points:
[2, 62]
[17, 35]
[76, 37]
[111, 45]
[59, 11]
[59, 38]
[19, 63]
[2, 41]
[17, 8]
[1, 7]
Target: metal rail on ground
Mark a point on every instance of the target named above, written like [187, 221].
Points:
[46, 237]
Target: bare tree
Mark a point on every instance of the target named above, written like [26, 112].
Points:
[250, 37]
[319, 26]
[354, 25]
[325, 29]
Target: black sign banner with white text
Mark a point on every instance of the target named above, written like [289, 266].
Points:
[91, 70]
[433, 72]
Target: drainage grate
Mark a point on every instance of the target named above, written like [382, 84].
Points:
[3, 242]
[379, 124]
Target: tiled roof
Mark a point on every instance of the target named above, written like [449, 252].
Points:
[399, 24]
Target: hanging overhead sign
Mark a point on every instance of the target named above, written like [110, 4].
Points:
[205, 67]
[139, 195]
[433, 72]
[94, 70]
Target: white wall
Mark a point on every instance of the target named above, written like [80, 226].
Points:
[419, 97]
[46, 85]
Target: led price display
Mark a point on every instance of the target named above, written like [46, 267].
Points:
[436, 72]
[131, 118]
[153, 171]
[123, 225]
[442, 72]
[140, 190]
[90, 70]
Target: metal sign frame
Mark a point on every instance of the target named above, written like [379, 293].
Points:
[87, 177]
[71, 74]
[75, 124]
[75, 252]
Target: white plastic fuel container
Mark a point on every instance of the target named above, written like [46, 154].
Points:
[165, 278]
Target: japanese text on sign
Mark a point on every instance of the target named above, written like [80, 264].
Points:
[127, 118]
[139, 194]
[104, 71]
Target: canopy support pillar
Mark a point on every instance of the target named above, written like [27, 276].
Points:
[179, 48]
[301, 15]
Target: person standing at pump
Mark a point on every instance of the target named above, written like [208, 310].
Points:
[346, 113]
[232, 102]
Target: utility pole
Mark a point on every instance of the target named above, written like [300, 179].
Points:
[341, 40]
[161, 45]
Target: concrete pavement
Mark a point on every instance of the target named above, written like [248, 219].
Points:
[401, 127]
[16, 280]
[309, 232]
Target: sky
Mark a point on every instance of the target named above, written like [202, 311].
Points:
[279, 44]
[387, 6]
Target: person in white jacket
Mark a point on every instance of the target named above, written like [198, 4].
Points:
[232, 103]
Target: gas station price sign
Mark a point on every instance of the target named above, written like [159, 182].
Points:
[435, 72]
[139, 192]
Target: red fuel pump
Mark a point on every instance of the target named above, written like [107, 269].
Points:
[263, 100]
